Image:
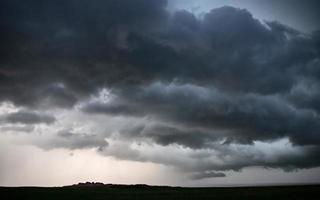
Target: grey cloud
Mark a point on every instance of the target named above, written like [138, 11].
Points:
[27, 117]
[237, 159]
[58, 94]
[242, 118]
[124, 152]
[25, 129]
[207, 175]
[306, 94]
[211, 154]
[115, 109]
[219, 157]
[71, 140]
[167, 135]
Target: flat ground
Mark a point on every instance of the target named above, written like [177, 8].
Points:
[155, 192]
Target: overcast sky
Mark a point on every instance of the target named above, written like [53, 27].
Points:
[302, 15]
[190, 93]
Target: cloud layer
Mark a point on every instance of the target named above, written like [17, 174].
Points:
[219, 91]
[26, 117]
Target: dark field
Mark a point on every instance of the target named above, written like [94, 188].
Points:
[155, 192]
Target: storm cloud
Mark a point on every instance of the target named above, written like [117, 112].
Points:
[218, 85]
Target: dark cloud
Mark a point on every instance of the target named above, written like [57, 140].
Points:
[233, 160]
[75, 47]
[240, 119]
[207, 175]
[226, 77]
[27, 117]
[166, 135]
[221, 157]
[74, 43]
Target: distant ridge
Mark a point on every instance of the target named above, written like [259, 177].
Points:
[99, 184]
[145, 186]
[89, 184]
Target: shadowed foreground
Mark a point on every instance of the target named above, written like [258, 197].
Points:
[159, 192]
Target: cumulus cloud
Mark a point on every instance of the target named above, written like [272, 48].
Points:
[213, 90]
